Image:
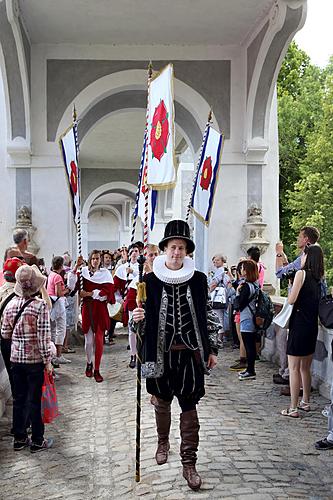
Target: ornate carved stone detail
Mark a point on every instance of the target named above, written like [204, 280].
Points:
[24, 221]
[254, 229]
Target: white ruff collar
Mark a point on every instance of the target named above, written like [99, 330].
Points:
[100, 276]
[173, 277]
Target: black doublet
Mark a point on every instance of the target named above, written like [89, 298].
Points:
[176, 314]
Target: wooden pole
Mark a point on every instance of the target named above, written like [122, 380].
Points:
[141, 261]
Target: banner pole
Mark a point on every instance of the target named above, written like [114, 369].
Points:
[78, 226]
[139, 330]
[209, 120]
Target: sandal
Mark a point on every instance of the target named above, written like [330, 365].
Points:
[290, 412]
[303, 405]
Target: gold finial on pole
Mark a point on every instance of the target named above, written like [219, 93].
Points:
[150, 69]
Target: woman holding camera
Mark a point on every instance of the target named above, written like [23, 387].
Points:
[303, 327]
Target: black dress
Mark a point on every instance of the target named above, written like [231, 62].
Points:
[303, 324]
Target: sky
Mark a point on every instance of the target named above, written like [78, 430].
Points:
[316, 37]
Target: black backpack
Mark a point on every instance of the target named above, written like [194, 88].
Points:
[264, 310]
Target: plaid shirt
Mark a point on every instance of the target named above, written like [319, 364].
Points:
[32, 334]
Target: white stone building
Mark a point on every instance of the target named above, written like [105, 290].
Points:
[226, 55]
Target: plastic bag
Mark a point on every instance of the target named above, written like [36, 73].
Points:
[49, 399]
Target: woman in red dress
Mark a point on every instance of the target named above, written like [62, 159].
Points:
[97, 291]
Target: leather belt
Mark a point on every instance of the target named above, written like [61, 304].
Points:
[178, 347]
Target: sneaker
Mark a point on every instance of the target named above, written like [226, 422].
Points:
[97, 376]
[238, 366]
[62, 360]
[89, 370]
[243, 372]
[46, 444]
[246, 376]
[323, 444]
[21, 444]
[132, 363]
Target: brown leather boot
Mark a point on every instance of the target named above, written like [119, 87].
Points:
[163, 422]
[189, 433]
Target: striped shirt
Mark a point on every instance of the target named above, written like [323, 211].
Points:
[32, 334]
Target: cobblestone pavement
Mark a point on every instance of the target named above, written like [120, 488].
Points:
[247, 449]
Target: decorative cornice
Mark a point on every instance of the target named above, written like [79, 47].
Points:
[255, 151]
[19, 153]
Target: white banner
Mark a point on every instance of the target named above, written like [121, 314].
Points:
[69, 153]
[207, 176]
[161, 132]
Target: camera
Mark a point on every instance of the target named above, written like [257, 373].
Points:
[289, 275]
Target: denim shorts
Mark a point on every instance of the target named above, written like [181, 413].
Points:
[246, 325]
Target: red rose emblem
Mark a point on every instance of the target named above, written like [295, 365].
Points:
[159, 134]
[206, 174]
[73, 177]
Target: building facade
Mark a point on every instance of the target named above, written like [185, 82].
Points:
[226, 56]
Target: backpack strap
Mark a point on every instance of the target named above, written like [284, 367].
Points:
[5, 302]
[18, 315]
[254, 291]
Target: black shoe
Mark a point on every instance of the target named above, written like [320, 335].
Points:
[132, 363]
[278, 379]
[46, 444]
[21, 444]
[323, 444]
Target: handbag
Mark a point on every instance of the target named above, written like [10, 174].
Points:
[49, 400]
[326, 311]
[219, 298]
[283, 317]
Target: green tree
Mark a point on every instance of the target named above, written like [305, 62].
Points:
[299, 109]
[311, 200]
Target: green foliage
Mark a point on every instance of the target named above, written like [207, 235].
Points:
[305, 143]
[310, 199]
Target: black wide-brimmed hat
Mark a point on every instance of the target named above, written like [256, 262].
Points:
[177, 229]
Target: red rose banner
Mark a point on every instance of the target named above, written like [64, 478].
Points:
[207, 176]
[161, 158]
[68, 146]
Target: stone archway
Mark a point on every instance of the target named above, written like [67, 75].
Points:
[126, 188]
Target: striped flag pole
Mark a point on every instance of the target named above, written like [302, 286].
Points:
[78, 226]
[139, 330]
[145, 227]
[209, 121]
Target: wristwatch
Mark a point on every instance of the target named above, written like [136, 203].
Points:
[279, 255]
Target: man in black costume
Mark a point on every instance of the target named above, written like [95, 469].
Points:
[179, 343]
